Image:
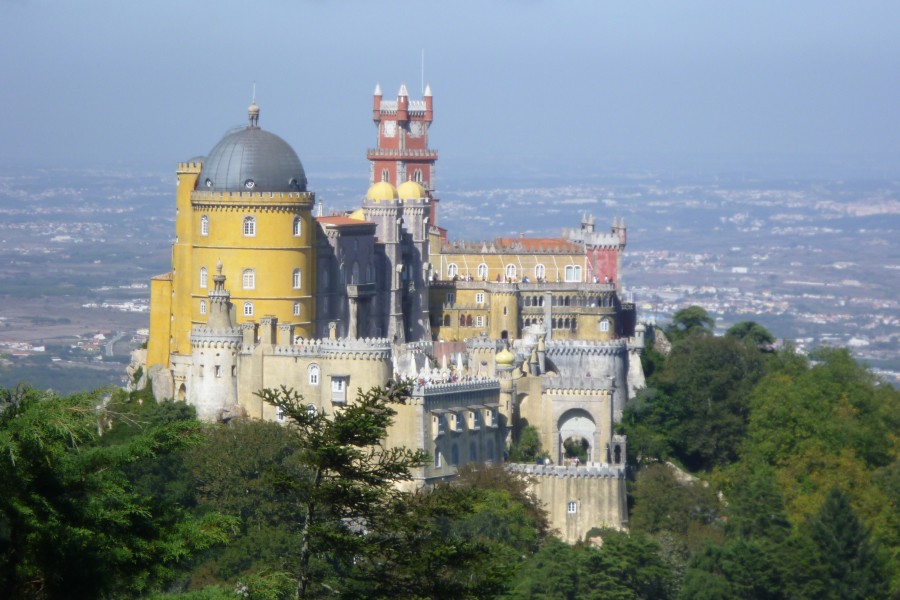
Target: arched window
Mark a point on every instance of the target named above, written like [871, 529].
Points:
[296, 309]
[203, 307]
[462, 320]
[354, 273]
[452, 270]
[204, 225]
[438, 459]
[446, 320]
[468, 320]
[248, 279]
[204, 277]
[370, 273]
[482, 271]
[298, 226]
[385, 175]
[248, 309]
[510, 271]
[573, 273]
[249, 226]
[539, 272]
[417, 175]
[296, 280]
[313, 374]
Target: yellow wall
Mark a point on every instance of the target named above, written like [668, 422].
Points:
[160, 320]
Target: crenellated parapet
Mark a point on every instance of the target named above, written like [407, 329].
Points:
[576, 386]
[554, 247]
[271, 201]
[430, 388]
[203, 336]
[345, 348]
[589, 348]
[561, 472]
[484, 343]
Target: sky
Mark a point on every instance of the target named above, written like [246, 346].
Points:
[573, 85]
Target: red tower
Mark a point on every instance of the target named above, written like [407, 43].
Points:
[402, 153]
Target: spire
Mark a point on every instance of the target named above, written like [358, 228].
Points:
[403, 91]
[428, 91]
[377, 89]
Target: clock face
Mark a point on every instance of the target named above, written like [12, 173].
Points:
[390, 129]
[416, 128]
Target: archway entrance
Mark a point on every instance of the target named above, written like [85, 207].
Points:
[182, 393]
[577, 434]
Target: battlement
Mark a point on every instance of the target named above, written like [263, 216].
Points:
[577, 386]
[425, 153]
[569, 347]
[484, 343]
[204, 336]
[191, 166]
[425, 388]
[203, 197]
[590, 471]
[594, 239]
[369, 348]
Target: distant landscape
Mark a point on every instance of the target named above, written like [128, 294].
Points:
[815, 260]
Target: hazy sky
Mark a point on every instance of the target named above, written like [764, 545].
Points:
[154, 82]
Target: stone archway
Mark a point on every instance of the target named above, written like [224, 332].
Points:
[577, 428]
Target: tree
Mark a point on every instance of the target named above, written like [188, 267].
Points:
[689, 320]
[849, 557]
[752, 332]
[527, 448]
[71, 522]
[344, 478]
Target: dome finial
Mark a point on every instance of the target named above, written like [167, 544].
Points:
[253, 111]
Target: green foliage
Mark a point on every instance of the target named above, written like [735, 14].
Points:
[699, 407]
[751, 332]
[527, 449]
[344, 478]
[626, 566]
[72, 523]
[692, 320]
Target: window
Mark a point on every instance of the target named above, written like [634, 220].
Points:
[204, 277]
[250, 226]
[604, 326]
[248, 309]
[296, 309]
[510, 271]
[482, 271]
[473, 452]
[203, 307]
[452, 271]
[311, 410]
[218, 370]
[417, 175]
[339, 389]
[446, 320]
[539, 272]
[451, 298]
[438, 459]
[454, 455]
[296, 280]
[573, 273]
[279, 414]
[248, 279]
[572, 508]
[204, 225]
[313, 373]
[479, 321]
[476, 419]
[385, 175]
[370, 273]
[298, 226]
[479, 298]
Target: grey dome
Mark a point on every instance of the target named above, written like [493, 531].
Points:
[252, 160]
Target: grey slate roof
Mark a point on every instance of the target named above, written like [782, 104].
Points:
[252, 160]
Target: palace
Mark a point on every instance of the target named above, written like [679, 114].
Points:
[496, 334]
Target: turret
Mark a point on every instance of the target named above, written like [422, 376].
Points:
[376, 105]
[429, 107]
[403, 104]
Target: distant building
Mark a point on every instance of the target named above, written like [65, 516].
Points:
[496, 335]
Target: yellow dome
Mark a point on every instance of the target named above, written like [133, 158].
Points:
[411, 190]
[505, 358]
[381, 191]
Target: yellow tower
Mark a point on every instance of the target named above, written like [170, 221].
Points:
[245, 205]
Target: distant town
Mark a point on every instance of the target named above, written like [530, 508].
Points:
[815, 261]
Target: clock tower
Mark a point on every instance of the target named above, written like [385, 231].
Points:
[402, 153]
